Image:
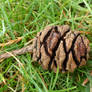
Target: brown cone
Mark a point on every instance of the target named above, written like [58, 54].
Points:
[58, 46]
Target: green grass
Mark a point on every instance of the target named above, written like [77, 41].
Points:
[24, 18]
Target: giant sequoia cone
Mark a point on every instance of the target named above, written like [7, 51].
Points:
[58, 46]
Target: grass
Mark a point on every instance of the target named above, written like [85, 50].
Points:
[24, 18]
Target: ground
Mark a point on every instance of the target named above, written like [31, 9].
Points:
[24, 18]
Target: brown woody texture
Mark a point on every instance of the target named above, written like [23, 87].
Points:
[58, 46]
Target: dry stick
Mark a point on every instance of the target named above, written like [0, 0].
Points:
[23, 50]
[86, 80]
[11, 42]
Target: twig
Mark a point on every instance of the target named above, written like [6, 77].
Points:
[29, 42]
[23, 50]
[86, 80]
[11, 42]
[85, 32]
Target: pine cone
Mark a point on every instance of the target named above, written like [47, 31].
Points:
[58, 46]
